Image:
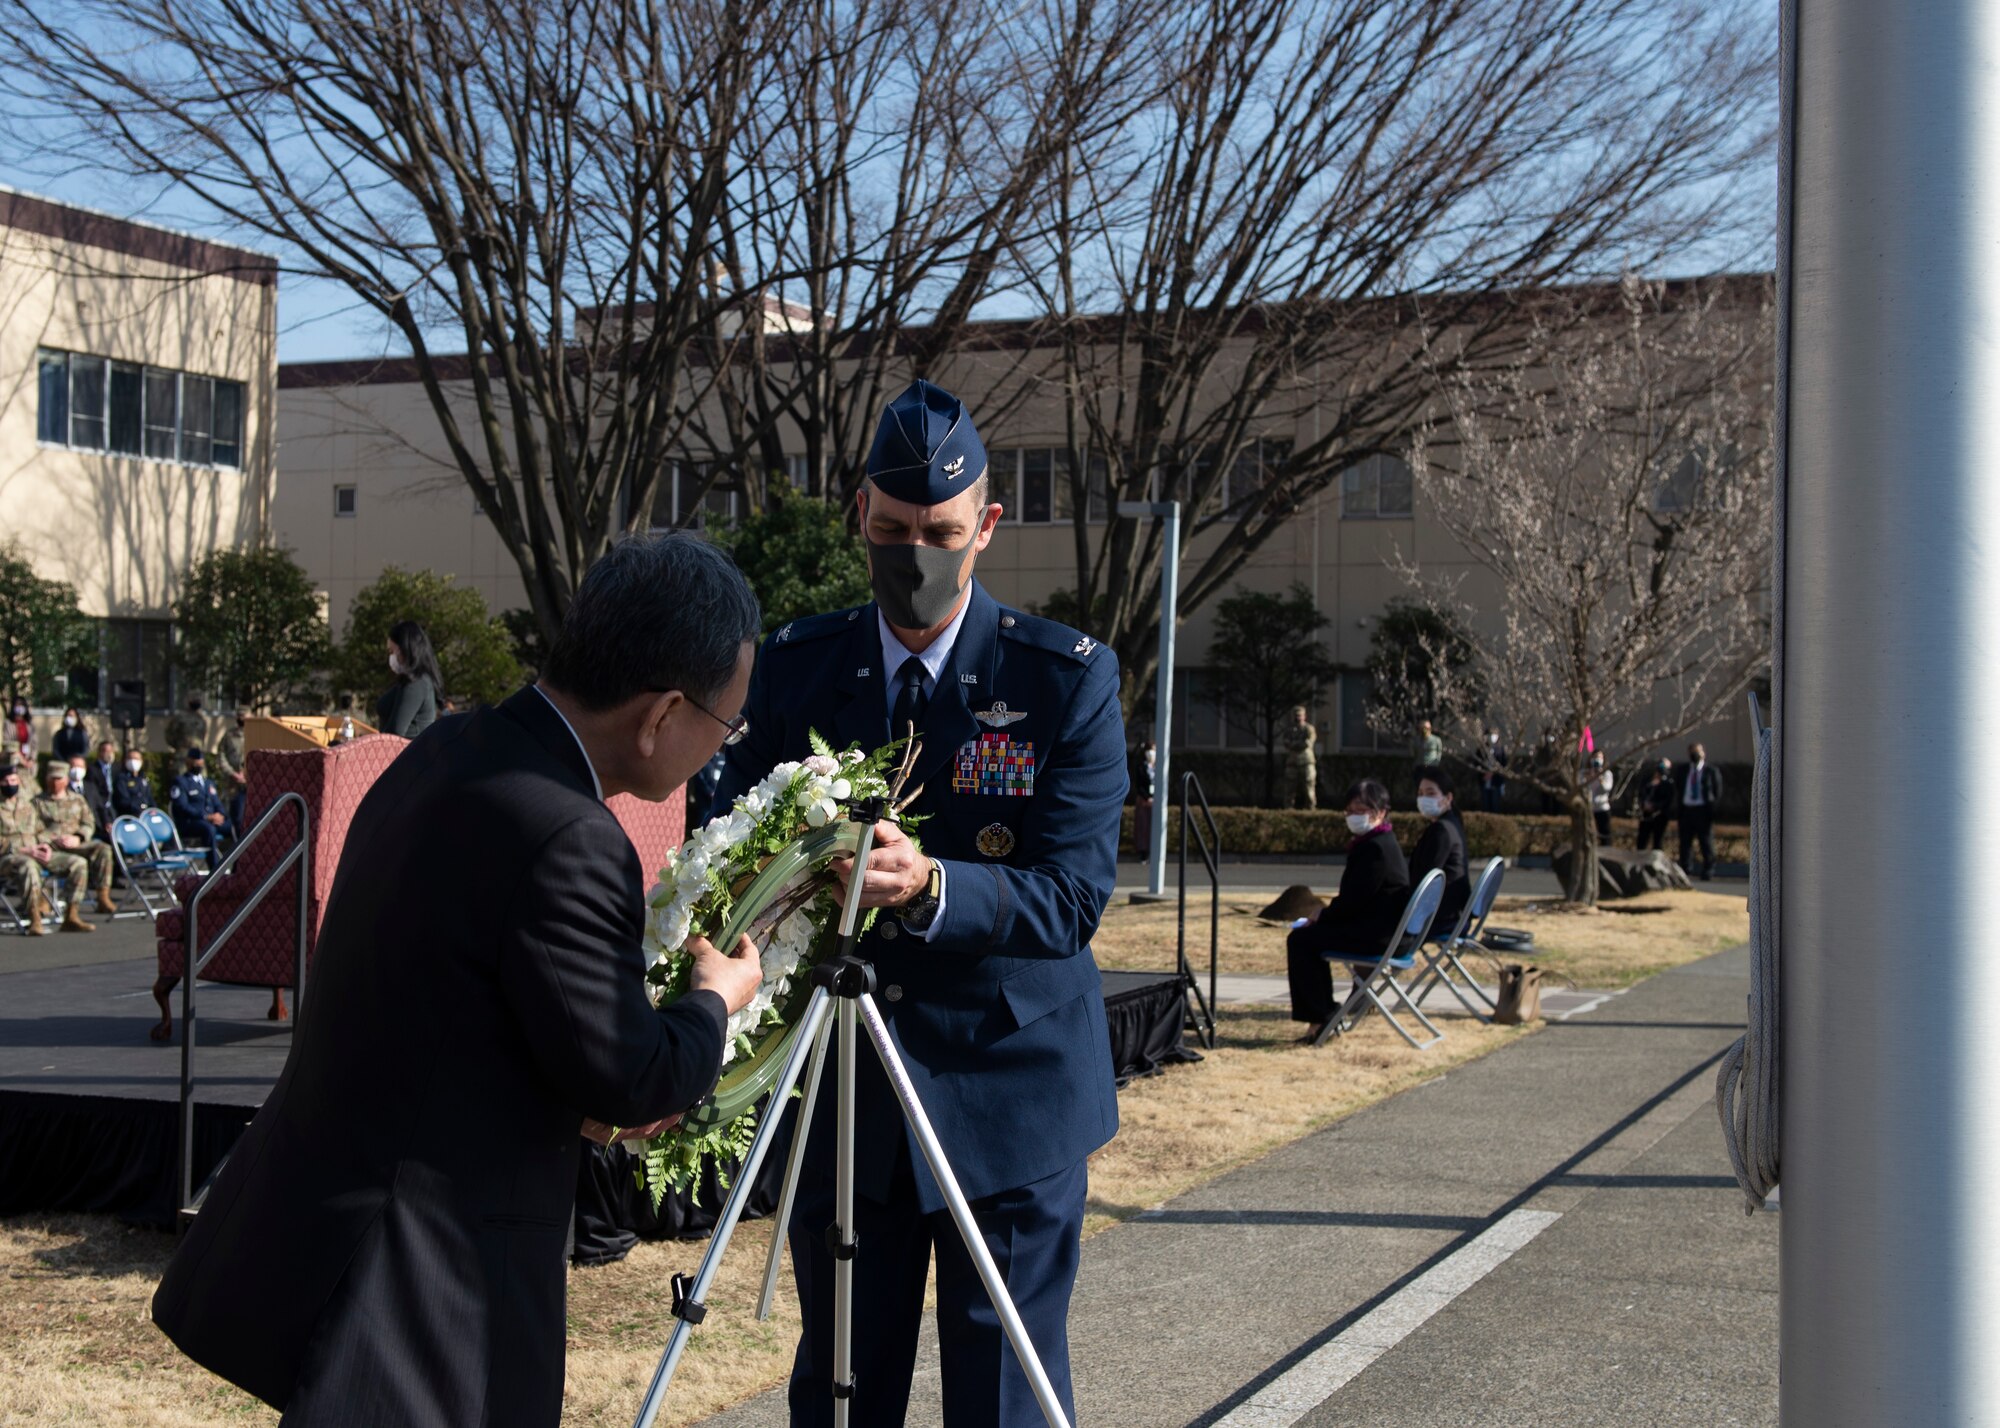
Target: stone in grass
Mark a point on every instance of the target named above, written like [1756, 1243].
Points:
[1295, 901]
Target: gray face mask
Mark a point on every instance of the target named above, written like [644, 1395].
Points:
[916, 585]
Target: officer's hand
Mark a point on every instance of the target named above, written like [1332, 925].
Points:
[42, 852]
[896, 871]
[735, 978]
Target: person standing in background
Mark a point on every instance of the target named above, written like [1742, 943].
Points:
[1492, 773]
[1700, 789]
[1301, 761]
[409, 706]
[1597, 782]
[1141, 775]
[188, 729]
[229, 765]
[1427, 748]
[1656, 805]
[21, 732]
[72, 741]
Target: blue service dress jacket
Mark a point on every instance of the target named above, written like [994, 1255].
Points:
[194, 798]
[1000, 1014]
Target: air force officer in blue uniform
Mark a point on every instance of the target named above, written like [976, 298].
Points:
[982, 953]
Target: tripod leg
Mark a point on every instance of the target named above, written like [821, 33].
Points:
[961, 1214]
[801, 1129]
[816, 1013]
[841, 1239]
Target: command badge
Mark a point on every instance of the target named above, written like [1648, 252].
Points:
[999, 716]
[996, 840]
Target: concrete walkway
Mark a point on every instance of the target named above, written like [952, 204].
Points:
[1546, 1236]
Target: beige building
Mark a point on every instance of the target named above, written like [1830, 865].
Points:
[138, 372]
[364, 482]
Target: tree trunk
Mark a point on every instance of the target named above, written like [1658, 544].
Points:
[1582, 887]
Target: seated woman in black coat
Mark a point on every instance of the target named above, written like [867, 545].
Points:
[1442, 847]
[1357, 924]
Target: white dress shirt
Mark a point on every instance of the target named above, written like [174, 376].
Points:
[894, 653]
[595, 782]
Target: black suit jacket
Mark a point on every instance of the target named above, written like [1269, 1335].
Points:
[1711, 789]
[386, 1243]
[1374, 887]
[1442, 846]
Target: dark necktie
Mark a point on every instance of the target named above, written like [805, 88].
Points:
[910, 701]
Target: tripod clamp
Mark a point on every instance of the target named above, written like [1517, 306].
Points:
[686, 1306]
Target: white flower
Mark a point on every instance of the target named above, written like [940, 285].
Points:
[817, 814]
[842, 789]
[822, 765]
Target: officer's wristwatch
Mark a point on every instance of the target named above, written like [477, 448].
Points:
[920, 911]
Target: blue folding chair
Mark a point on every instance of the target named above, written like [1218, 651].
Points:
[1375, 978]
[167, 844]
[140, 859]
[1441, 953]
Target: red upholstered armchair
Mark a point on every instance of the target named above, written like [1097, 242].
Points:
[332, 781]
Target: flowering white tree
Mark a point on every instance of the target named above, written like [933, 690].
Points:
[1615, 481]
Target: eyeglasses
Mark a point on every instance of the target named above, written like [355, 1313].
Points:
[737, 727]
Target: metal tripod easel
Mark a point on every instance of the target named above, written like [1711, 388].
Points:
[843, 995]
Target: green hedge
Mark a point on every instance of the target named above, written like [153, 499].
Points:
[1321, 832]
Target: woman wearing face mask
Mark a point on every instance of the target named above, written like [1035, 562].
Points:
[131, 791]
[1442, 846]
[21, 731]
[1357, 924]
[409, 706]
[72, 741]
[1598, 782]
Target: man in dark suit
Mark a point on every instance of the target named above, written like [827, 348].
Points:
[983, 953]
[386, 1243]
[1374, 886]
[1699, 790]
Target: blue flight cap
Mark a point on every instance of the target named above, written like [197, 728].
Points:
[926, 450]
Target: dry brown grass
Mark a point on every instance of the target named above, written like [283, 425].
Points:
[1608, 948]
[77, 1345]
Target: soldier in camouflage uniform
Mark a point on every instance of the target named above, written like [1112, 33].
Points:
[20, 840]
[74, 855]
[1300, 742]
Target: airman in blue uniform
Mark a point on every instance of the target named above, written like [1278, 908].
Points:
[982, 955]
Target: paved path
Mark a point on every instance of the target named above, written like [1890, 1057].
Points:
[1546, 1236]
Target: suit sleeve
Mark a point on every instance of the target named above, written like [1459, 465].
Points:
[1051, 904]
[573, 972]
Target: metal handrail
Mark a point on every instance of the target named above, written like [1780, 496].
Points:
[1211, 851]
[195, 959]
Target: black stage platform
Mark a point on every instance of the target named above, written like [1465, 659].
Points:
[89, 1107]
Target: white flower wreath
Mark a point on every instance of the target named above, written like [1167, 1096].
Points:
[697, 894]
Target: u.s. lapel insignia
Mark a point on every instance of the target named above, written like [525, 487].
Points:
[968, 679]
[1084, 646]
[863, 672]
[999, 716]
[996, 840]
[954, 468]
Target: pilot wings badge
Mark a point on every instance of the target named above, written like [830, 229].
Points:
[999, 716]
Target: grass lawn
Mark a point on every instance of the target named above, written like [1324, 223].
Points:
[77, 1345]
[1606, 948]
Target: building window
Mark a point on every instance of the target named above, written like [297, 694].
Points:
[343, 500]
[86, 402]
[128, 433]
[98, 405]
[226, 441]
[197, 416]
[1357, 691]
[1376, 487]
[52, 409]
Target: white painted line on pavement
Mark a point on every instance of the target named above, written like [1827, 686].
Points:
[1326, 1370]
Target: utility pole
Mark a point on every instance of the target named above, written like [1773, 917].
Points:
[1163, 686]
[1889, 699]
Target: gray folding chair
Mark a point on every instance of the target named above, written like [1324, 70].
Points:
[1440, 954]
[1375, 979]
